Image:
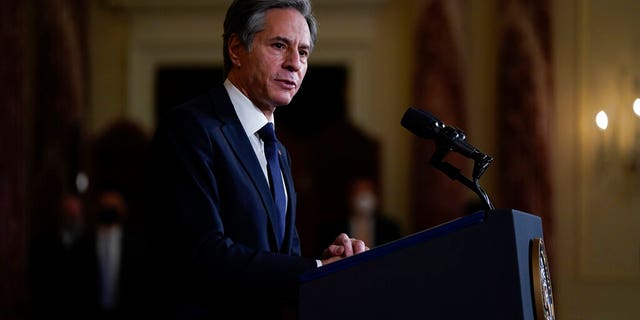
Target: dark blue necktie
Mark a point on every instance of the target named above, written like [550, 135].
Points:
[268, 135]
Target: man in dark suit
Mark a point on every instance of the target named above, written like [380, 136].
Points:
[221, 216]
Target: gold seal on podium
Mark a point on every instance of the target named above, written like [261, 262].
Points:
[541, 280]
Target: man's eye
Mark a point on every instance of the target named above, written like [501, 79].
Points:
[278, 45]
[303, 53]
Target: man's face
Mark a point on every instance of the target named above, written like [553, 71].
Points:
[271, 73]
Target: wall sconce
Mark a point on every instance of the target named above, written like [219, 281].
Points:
[609, 150]
[605, 145]
[635, 149]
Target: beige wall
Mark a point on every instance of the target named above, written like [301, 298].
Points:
[597, 46]
[108, 43]
[596, 42]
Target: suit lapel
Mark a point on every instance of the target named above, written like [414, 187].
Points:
[236, 137]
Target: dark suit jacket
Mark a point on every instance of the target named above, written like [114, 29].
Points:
[212, 247]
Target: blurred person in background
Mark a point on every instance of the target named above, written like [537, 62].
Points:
[119, 259]
[364, 219]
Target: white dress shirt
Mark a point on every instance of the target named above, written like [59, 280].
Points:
[109, 248]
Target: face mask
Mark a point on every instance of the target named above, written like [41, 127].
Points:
[364, 202]
[108, 215]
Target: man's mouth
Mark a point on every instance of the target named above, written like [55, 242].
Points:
[287, 83]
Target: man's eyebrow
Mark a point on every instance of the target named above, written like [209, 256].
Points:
[288, 42]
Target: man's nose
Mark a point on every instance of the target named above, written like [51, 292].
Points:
[293, 60]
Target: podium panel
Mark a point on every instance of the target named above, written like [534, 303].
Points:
[474, 267]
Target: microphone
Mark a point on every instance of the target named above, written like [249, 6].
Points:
[425, 125]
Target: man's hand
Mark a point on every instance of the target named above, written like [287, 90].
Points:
[342, 247]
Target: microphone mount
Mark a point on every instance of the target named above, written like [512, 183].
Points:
[449, 139]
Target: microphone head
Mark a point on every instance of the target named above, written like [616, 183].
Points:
[421, 123]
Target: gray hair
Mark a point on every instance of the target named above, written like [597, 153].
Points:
[247, 17]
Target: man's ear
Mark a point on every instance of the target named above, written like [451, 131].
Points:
[236, 49]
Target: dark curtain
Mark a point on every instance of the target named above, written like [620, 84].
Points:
[58, 97]
[43, 89]
[60, 87]
[525, 106]
[524, 110]
[13, 242]
[438, 88]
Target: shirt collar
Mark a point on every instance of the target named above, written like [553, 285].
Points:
[251, 117]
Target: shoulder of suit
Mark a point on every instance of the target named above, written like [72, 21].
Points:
[203, 107]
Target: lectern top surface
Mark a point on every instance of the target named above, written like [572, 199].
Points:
[408, 241]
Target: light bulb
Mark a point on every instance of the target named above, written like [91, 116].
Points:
[602, 121]
[636, 107]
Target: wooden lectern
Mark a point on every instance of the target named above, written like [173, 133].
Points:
[488, 265]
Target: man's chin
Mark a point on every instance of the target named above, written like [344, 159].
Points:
[284, 100]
